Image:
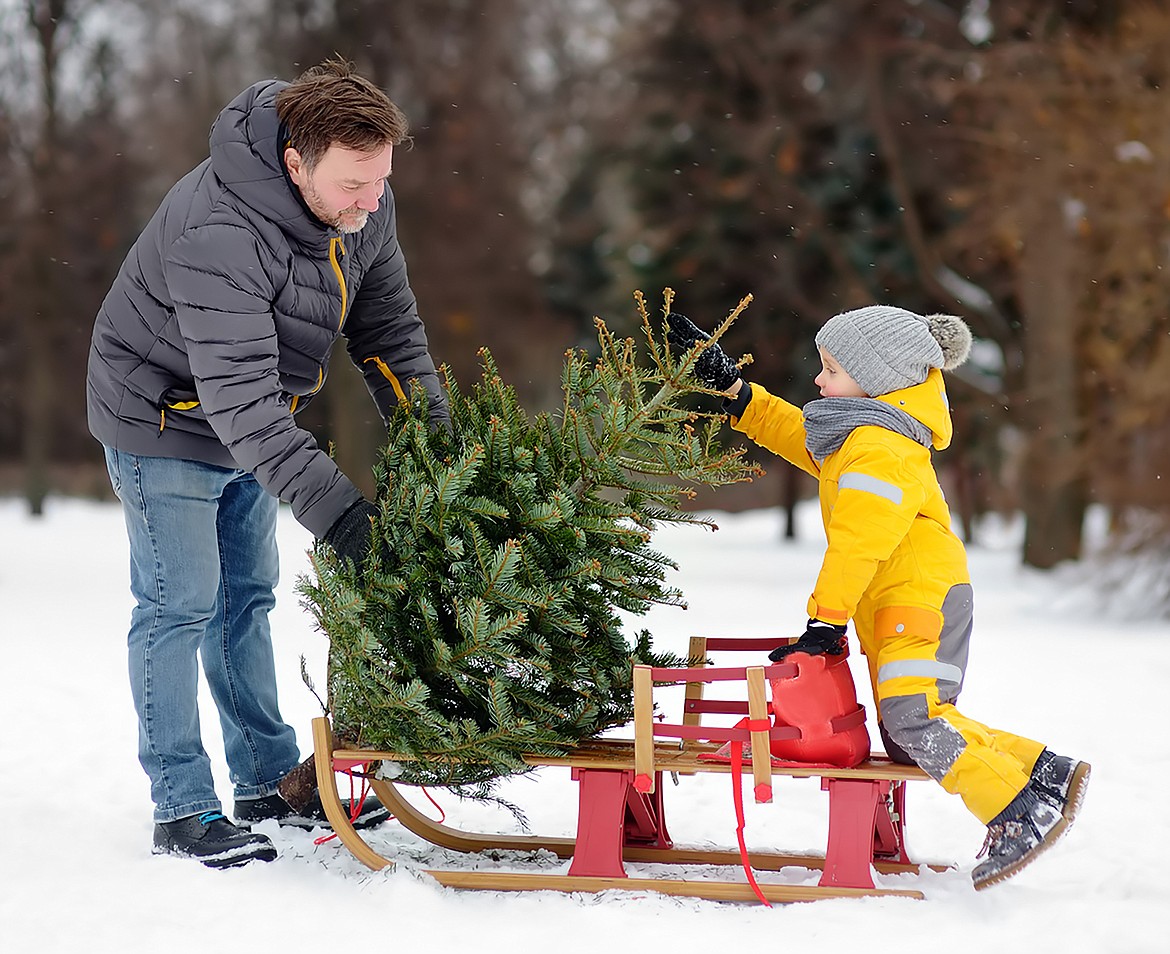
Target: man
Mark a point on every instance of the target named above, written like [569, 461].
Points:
[217, 330]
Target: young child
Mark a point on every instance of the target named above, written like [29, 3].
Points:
[894, 566]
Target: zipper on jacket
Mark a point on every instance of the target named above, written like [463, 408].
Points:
[178, 406]
[336, 250]
[389, 376]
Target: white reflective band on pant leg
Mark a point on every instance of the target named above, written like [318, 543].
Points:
[871, 485]
[922, 668]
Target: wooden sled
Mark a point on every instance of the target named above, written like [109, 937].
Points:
[621, 811]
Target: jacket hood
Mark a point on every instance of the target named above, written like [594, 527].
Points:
[927, 403]
[247, 157]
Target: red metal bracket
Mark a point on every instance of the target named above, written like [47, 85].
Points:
[646, 819]
[853, 811]
[889, 836]
[612, 813]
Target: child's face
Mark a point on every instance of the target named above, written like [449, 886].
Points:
[833, 381]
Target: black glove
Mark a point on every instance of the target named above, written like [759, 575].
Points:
[819, 637]
[441, 437]
[713, 367]
[352, 534]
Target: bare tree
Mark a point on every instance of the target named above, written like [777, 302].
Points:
[1075, 146]
[52, 24]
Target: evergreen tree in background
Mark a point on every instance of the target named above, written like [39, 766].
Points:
[485, 624]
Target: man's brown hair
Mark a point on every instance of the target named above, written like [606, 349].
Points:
[331, 103]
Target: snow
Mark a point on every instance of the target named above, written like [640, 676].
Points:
[76, 866]
[975, 23]
[1134, 151]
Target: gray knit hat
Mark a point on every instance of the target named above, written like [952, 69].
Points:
[884, 348]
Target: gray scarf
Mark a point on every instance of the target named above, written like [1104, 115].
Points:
[828, 421]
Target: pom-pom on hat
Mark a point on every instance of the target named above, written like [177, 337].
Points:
[884, 348]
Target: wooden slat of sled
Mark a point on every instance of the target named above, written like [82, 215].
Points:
[711, 890]
[331, 802]
[668, 757]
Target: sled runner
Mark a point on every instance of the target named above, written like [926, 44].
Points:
[621, 812]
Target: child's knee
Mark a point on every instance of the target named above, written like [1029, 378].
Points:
[893, 749]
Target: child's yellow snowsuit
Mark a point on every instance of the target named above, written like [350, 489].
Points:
[896, 569]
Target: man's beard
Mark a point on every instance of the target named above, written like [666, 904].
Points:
[356, 221]
[347, 221]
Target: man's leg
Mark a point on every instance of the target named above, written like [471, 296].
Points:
[170, 510]
[237, 652]
[238, 660]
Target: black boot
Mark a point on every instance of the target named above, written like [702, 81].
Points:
[1061, 781]
[1035, 819]
[209, 837]
[249, 811]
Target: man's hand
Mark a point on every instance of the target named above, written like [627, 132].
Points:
[819, 637]
[712, 367]
[351, 536]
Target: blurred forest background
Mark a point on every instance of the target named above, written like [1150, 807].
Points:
[1004, 160]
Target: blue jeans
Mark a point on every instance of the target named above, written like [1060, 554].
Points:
[203, 567]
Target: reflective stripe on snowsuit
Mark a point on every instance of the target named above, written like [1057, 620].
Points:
[893, 566]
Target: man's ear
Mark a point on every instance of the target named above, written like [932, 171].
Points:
[295, 165]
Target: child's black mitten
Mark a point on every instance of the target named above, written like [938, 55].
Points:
[819, 637]
[712, 367]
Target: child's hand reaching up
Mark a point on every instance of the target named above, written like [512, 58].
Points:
[712, 367]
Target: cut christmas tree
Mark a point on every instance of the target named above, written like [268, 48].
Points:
[486, 622]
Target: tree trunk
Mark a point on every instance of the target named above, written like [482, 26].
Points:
[42, 246]
[790, 496]
[1053, 483]
[38, 392]
[298, 786]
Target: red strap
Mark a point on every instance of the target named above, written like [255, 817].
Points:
[781, 670]
[721, 733]
[442, 814]
[737, 797]
[848, 721]
[355, 804]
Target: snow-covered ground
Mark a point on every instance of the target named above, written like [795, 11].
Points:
[76, 870]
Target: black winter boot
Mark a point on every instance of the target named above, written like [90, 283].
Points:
[210, 838]
[1061, 781]
[1035, 819]
[249, 811]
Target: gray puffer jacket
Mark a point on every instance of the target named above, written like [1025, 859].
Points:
[219, 325]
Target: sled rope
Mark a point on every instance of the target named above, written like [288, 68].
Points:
[737, 798]
[355, 804]
[438, 807]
